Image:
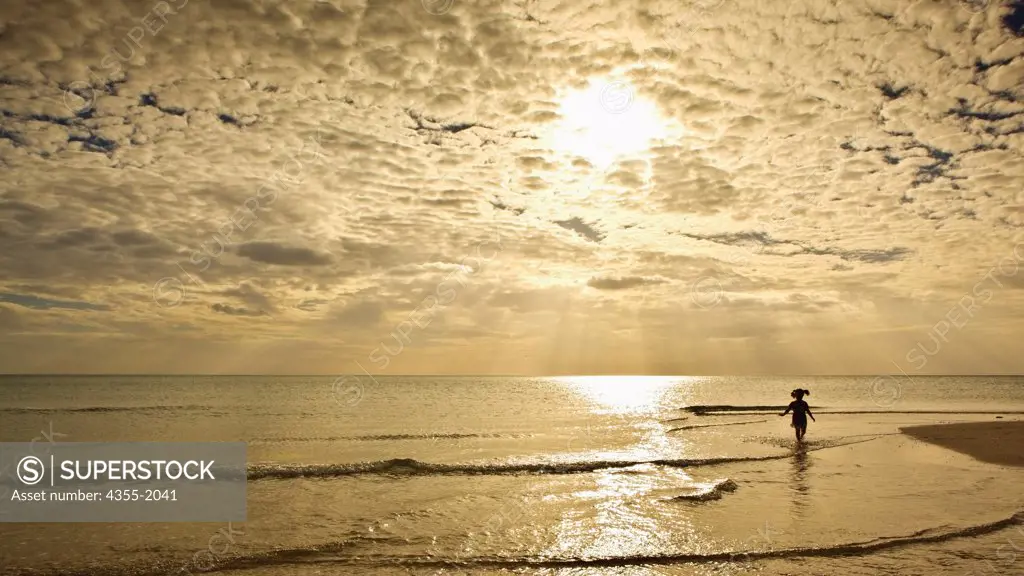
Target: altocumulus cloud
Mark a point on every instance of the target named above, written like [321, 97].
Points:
[868, 153]
[613, 283]
[38, 302]
[273, 253]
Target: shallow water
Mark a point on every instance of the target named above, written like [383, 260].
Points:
[481, 475]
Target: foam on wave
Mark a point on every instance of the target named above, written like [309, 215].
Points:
[712, 491]
[413, 467]
[330, 553]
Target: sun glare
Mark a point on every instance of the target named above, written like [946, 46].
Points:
[621, 393]
[605, 122]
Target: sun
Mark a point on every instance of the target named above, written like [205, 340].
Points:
[605, 122]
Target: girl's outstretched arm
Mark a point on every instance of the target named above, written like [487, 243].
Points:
[787, 409]
[809, 413]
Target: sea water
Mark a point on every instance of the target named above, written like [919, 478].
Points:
[429, 475]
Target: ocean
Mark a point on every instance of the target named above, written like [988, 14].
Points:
[566, 475]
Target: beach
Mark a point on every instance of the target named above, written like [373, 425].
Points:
[687, 476]
[999, 442]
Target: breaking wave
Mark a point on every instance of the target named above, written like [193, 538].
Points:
[713, 491]
[330, 553]
[413, 467]
[694, 426]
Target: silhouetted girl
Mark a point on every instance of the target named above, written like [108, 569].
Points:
[800, 412]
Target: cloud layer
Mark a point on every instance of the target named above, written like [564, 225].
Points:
[726, 186]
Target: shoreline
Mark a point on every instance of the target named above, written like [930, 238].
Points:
[992, 442]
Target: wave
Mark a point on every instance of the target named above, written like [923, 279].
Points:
[693, 426]
[927, 536]
[329, 553]
[159, 408]
[413, 467]
[720, 409]
[373, 437]
[713, 491]
[702, 409]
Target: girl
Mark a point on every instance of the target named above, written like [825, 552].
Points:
[800, 412]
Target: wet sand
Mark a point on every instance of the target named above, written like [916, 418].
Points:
[994, 442]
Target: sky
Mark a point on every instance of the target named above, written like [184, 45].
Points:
[541, 187]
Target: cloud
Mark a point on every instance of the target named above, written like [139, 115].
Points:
[273, 253]
[235, 311]
[358, 313]
[251, 295]
[871, 256]
[133, 238]
[40, 303]
[815, 176]
[623, 283]
[582, 228]
[311, 304]
[759, 240]
[9, 318]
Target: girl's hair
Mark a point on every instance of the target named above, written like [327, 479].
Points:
[800, 392]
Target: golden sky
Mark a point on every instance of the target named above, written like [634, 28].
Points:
[446, 186]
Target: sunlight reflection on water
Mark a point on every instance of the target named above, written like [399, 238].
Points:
[624, 394]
